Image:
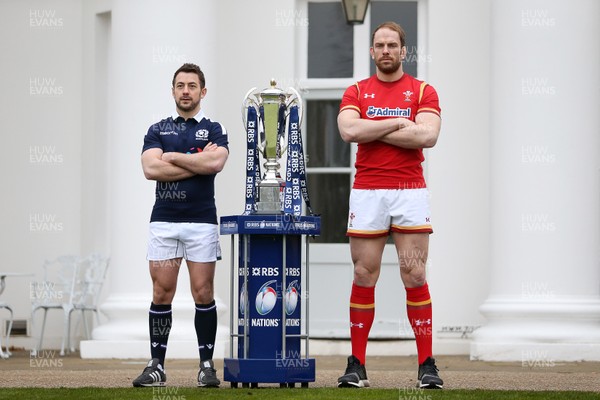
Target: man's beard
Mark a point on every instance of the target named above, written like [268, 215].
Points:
[388, 68]
[192, 106]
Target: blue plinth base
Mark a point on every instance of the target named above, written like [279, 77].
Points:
[289, 370]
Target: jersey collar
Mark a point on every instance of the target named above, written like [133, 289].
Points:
[198, 117]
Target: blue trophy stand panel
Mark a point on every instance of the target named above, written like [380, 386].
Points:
[270, 291]
[274, 224]
[290, 370]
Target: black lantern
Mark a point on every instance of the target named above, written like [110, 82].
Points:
[355, 11]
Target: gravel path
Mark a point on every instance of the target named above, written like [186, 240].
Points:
[51, 370]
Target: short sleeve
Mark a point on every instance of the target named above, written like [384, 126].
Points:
[152, 139]
[218, 135]
[350, 100]
[428, 100]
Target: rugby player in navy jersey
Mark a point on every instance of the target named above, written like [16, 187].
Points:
[183, 153]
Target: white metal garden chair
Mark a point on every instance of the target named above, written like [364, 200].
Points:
[59, 289]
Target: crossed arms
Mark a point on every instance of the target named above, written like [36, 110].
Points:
[400, 132]
[173, 166]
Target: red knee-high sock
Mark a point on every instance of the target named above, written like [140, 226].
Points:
[362, 313]
[418, 307]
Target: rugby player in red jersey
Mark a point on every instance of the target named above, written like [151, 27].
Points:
[393, 117]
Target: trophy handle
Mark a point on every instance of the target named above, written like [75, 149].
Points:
[248, 101]
[296, 98]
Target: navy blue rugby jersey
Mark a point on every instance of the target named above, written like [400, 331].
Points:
[191, 199]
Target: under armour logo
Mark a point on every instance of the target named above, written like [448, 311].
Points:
[371, 95]
[359, 325]
[419, 322]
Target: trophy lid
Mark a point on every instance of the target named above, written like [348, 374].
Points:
[273, 92]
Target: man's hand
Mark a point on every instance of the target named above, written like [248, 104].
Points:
[210, 160]
[403, 123]
[423, 133]
[173, 156]
[157, 169]
[210, 147]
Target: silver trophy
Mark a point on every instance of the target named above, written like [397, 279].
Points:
[272, 144]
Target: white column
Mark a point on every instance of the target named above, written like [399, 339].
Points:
[544, 304]
[149, 41]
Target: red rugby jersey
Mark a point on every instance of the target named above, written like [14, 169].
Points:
[380, 165]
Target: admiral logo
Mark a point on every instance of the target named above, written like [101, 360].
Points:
[201, 134]
[373, 112]
[167, 133]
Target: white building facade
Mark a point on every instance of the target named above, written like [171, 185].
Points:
[514, 263]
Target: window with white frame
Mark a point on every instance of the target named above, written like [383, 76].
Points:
[332, 56]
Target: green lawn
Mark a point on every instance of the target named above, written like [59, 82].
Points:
[174, 393]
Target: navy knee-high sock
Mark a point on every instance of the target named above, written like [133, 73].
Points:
[205, 322]
[160, 320]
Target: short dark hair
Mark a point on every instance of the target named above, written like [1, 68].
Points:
[189, 67]
[394, 27]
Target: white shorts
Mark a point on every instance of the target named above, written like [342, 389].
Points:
[377, 212]
[195, 242]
